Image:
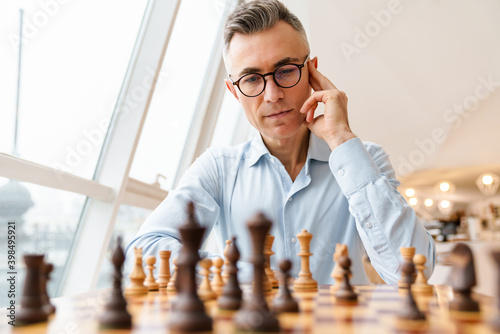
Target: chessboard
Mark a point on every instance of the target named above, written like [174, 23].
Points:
[374, 312]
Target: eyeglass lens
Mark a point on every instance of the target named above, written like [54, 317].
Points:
[285, 76]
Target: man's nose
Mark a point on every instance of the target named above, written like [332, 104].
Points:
[272, 92]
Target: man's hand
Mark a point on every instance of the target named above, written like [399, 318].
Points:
[333, 126]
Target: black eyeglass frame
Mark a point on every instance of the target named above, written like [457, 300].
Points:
[300, 66]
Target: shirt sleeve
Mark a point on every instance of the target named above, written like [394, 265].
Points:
[160, 231]
[384, 220]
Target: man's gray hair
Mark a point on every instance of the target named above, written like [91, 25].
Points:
[258, 15]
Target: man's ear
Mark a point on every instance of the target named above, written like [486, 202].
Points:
[231, 88]
[315, 62]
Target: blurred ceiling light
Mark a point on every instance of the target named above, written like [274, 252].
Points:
[445, 207]
[445, 187]
[444, 204]
[413, 201]
[428, 202]
[410, 192]
[487, 179]
[488, 183]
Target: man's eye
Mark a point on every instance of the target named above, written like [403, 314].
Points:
[251, 79]
[287, 71]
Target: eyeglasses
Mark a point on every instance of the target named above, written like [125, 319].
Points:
[285, 76]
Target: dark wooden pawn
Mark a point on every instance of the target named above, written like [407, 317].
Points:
[462, 279]
[284, 302]
[188, 311]
[495, 323]
[345, 292]
[32, 306]
[232, 295]
[115, 314]
[47, 268]
[255, 315]
[409, 310]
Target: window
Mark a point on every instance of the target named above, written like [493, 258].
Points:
[127, 224]
[45, 221]
[232, 125]
[184, 68]
[74, 57]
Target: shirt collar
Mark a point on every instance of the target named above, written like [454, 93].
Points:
[318, 149]
[258, 149]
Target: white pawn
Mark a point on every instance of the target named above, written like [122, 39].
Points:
[421, 287]
[225, 274]
[150, 282]
[205, 290]
[171, 284]
[217, 281]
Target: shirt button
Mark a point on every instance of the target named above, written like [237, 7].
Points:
[369, 225]
[290, 199]
[293, 240]
[341, 172]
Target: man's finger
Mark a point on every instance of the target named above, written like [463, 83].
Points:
[312, 101]
[315, 124]
[310, 114]
[319, 80]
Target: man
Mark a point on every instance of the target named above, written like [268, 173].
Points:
[303, 172]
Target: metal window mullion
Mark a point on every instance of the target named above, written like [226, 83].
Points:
[22, 170]
[208, 105]
[97, 223]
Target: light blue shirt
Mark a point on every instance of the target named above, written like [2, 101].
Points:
[346, 196]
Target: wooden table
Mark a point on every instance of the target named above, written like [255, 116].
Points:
[374, 313]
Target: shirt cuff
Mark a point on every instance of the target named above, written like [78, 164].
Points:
[352, 165]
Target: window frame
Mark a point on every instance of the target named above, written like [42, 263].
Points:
[111, 185]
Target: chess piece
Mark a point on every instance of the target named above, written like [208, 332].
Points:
[172, 283]
[495, 323]
[421, 287]
[188, 313]
[284, 302]
[231, 296]
[268, 252]
[305, 282]
[462, 279]
[205, 290]
[164, 271]
[32, 307]
[150, 282]
[225, 273]
[115, 314]
[345, 292]
[409, 310]
[47, 268]
[137, 276]
[255, 315]
[340, 250]
[217, 281]
[407, 253]
[266, 282]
